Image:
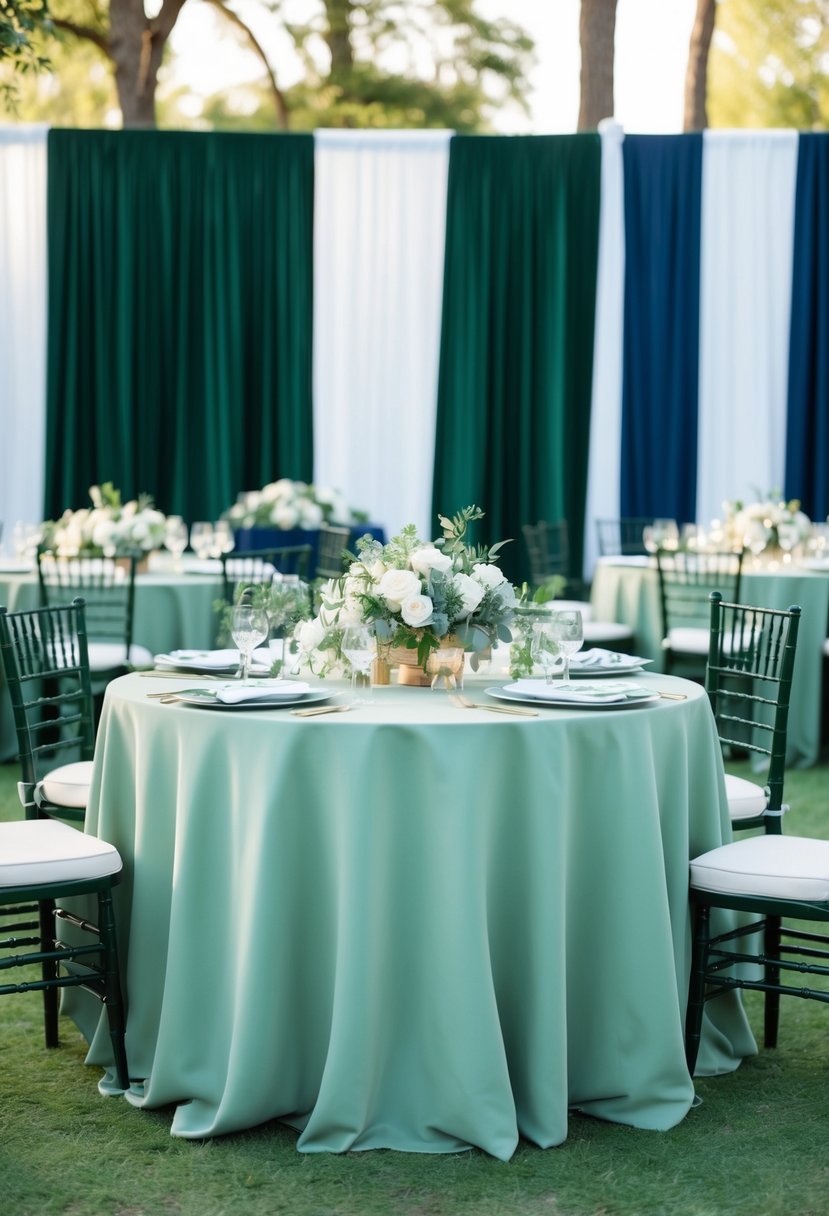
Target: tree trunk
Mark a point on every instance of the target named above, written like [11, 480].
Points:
[136, 47]
[696, 75]
[597, 33]
[338, 37]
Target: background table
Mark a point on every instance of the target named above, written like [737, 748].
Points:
[409, 926]
[171, 611]
[627, 590]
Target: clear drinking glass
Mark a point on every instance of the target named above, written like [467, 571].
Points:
[223, 539]
[175, 538]
[360, 649]
[568, 632]
[248, 627]
[545, 649]
[201, 538]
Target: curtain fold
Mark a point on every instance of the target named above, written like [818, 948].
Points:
[661, 339]
[606, 409]
[807, 429]
[519, 296]
[748, 189]
[180, 315]
[22, 324]
[380, 213]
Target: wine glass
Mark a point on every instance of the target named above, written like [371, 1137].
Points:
[568, 632]
[359, 648]
[248, 627]
[223, 539]
[201, 538]
[175, 538]
[545, 649]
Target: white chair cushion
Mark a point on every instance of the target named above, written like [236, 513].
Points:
[688, 640]
[777, 867]
[37, 851]
[69, 784]
[105, 655]
[598, 632]
[826, 648]
[745, 799]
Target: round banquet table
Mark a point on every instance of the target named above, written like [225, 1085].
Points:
[408, 926]
[626, 589]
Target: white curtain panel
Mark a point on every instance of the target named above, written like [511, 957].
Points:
[606, 408]
[22, 324]
[379, 234]
[748, 190]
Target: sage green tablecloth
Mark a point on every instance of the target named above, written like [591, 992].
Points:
[171, 611]
[409, 926]
[627, 590]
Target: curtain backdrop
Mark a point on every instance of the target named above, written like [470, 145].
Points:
[807, 440]
[516, 354]
[606, 411]
[22, 324]
[380, 214]
[661, 345]
[180, 315]
[748, 187]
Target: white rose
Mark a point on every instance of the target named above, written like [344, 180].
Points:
[310, 634]
[285, 516]
[430, 558]
[377, 569]
[470, 591]
[397, 586]
[311, 515]
[416, 610]
[104, 534]
[488, 575]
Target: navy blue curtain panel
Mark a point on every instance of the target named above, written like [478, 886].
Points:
[807, 430]
[663, 180]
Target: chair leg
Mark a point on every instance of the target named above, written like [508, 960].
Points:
[49, 971]
[771, 947]
[696, 990]
[113, 998]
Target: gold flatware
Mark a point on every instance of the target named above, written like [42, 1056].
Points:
[322, 709]
[673, 696]
[180, 675]
[461, 702]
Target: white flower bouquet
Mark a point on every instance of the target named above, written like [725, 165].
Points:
[767, 523]
[416, 594]
[290, 504]
[109, 528]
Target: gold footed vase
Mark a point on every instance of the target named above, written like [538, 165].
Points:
[409, 671]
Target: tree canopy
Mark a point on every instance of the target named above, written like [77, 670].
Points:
[769, 64]
[21, 21]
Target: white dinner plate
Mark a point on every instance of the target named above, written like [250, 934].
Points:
[211, 662]
[587, 673]
[205, 698]
[503, 693]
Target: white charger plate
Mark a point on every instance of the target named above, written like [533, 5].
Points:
[205, 698]
[505, 694]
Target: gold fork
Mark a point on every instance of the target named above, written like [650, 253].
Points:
[462, 702]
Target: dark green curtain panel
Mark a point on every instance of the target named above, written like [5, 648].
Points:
[516, 359]
[180, 315]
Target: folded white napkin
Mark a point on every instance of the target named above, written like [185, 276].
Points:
[589, 693]
[233, 694]
[598, 657]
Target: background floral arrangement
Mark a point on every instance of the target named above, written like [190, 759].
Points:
[764, 518]
[292, 504]
[109, 527]
[415, 593]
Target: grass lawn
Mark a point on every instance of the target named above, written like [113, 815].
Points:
[758, 1144]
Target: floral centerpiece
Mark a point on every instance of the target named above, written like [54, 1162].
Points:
[289, 504]
[417, 594]
[108, 528]
[771, 523]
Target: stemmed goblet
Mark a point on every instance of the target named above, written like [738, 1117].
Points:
[544, 649]
[201, 538]
[568, 632]
[175, 538]
[359, 648]
[248, 627]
